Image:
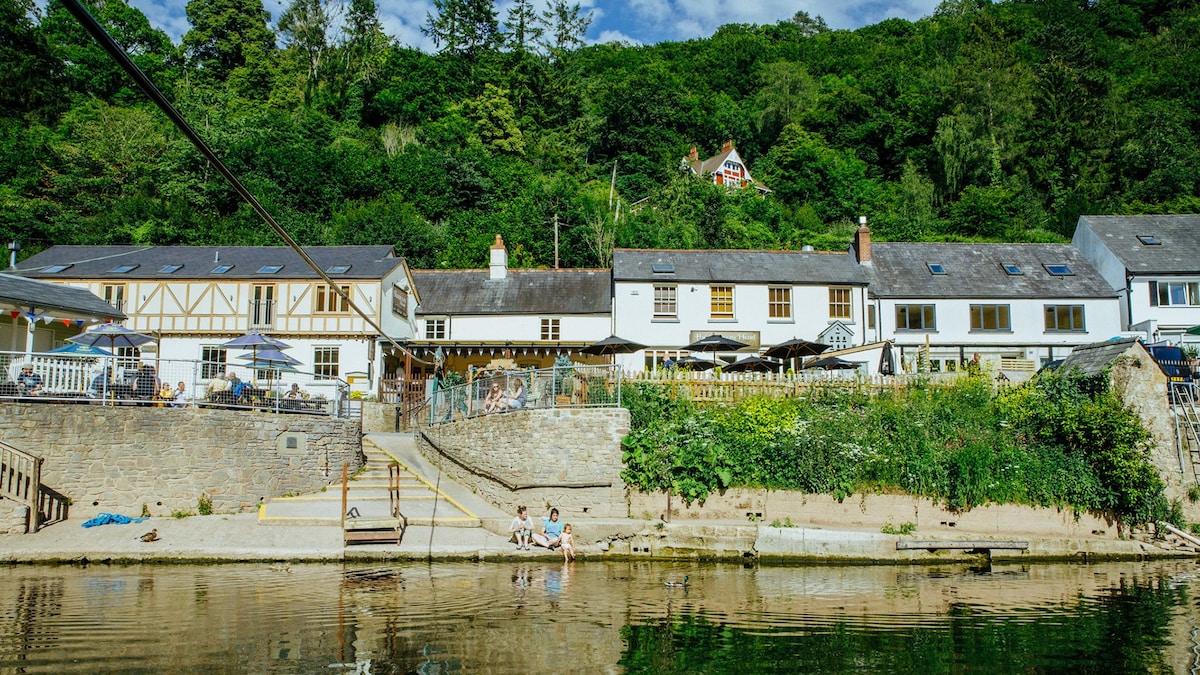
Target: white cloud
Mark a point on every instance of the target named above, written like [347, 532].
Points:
[607, 36]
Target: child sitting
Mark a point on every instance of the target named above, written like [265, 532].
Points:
[521, 528]
[567, 542]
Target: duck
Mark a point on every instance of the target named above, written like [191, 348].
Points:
[152, 535]
[677, 584]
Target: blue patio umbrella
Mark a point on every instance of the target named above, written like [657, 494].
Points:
[254, 340]
[74, 349]
[271, 356]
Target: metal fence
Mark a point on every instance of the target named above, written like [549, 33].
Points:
[129, 380]
[492, 392]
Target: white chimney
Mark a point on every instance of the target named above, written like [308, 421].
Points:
[216, 256]
[499, 265]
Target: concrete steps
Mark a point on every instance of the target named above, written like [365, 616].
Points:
[369, 504]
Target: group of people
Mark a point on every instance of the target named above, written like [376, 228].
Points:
[498, 399]
[554, 534]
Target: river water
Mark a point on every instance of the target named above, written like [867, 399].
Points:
[599, 617]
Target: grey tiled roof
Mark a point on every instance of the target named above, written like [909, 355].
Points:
[1094, 358]
[901, 270]
[97, 262]
[768, 267]
[77, 303]
[458, 292]
[1179, 251]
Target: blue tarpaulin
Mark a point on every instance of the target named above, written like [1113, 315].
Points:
[111, 519]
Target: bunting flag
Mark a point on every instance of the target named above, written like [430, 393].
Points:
[15, 313]
[47, 319]
[67, 322]
[79, 322]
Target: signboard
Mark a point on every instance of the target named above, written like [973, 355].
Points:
[752, 338]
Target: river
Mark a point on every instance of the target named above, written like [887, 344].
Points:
[598, 617]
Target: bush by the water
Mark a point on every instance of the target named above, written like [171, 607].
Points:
[1062, 440]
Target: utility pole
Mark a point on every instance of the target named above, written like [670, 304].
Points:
[555, 240]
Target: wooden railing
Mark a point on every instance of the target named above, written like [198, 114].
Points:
[21, 481]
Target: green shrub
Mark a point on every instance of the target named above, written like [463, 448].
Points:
[204, 505]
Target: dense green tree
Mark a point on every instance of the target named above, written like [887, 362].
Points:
[467, 27]
[304, 27]
[566, 25]
[226, 35]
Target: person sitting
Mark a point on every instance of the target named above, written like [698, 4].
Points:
[517, 398]
[567, 542]
[180, 396]
[101, 384]
[236, 386]
[495, 399]
[145, 384]
[551, 531]
[294, 393]
[31, 382]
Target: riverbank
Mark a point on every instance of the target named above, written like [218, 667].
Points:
[241, 538]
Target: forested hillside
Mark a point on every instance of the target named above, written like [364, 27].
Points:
[986, 121]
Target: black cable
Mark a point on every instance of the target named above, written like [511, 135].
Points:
[144, 83]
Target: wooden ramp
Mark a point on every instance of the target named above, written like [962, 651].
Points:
[374, 531]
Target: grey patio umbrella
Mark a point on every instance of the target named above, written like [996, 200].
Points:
[795, 348]
[693, 363]
[830, 363]
[612, 345]
[887, 360]
[271, 356]
[255, 341]
[111, 335]
[714, 344]
[755, 364]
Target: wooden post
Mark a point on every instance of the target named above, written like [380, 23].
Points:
[345, 491]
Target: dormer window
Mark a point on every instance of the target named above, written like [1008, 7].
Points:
[170, 269]
[337, 269]
[55, 269]
[1013, 269]
[270, 269]
[123, 269]
[1149, 240]
[221, 269]
[936, 268]
[1059, 270]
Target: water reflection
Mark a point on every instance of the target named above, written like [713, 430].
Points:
[597, 617]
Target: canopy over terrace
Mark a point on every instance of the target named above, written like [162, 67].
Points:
[461, 355]
[56, 305]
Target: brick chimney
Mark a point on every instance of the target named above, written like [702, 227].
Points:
[727, 146]
[693, 155]
[862, 241]
[498, 269]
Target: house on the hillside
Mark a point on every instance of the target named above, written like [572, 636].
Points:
[522, 317]
[724, 168]
[194, 298]
[668, 299]
[1016, 305]
[1153, 264]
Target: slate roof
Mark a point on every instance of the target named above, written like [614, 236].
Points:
[459, 292]
[901, 270]
[62, 301]
[766, 267]
[97, 262]
[1094, 358]
[1178, 253]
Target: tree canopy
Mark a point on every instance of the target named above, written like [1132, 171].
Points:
[987, 121]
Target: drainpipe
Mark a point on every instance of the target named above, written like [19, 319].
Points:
[1128, 301]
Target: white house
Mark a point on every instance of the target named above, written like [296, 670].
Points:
[1153, 264]
[1016, 305]
[667, 299]
[193, 298]
[724, 168]
[528, 316]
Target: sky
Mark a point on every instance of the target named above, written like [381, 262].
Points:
[632, 21]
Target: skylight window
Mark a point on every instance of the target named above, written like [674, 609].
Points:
[221, 269]
[170, 269]
[123, 269]
[1013, 269]
[1149, 240]
[936, 268]
[270, 269]
[337, 269]
[55, 269]
[1059, 270]
[663, 268]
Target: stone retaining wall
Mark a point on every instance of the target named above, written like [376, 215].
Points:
[567, 458]
[873, 512]
[13, 517]
[115, 459]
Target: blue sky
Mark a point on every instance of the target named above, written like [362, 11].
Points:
[634, 21]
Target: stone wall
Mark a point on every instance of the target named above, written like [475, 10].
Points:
[115, 459]
[13, 517]
[567, 458]
[378, 416]
[870, 512]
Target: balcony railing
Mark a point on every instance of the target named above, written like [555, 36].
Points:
[262, 315]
